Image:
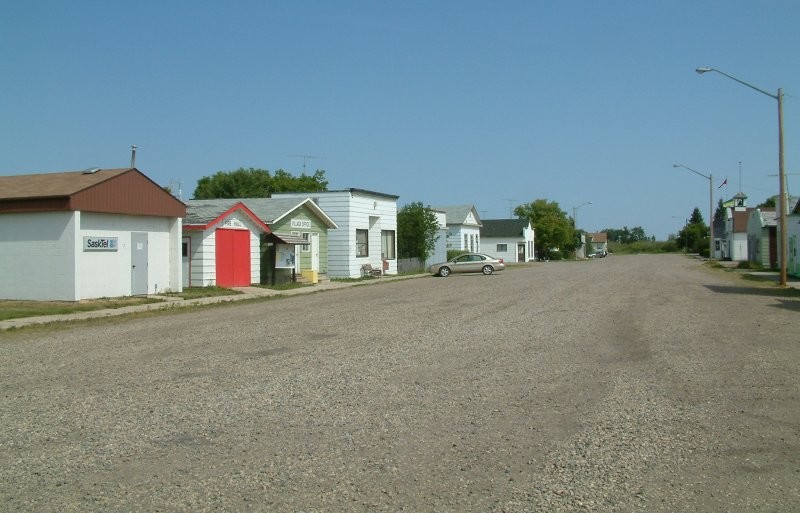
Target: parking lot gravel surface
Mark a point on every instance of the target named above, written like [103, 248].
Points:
[630, 383]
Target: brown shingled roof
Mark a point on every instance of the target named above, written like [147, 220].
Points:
[740, 219]
[599, 237]
[53, 185]
[115, 191]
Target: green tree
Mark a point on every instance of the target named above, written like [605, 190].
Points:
[768, 203]
[417, 231]
[554, 230]
[626, 235]
[694, 235]
[719, 213]
[257, 183]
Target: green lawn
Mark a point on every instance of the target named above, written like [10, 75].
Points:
[17, 309]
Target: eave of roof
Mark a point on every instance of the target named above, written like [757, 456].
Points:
[237, 206]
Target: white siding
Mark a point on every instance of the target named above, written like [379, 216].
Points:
[353, 211]
[203, 251]
[455, 238]
[737, 247]
[108, 274]
[37, 256]
[43, 256]
[490, 248]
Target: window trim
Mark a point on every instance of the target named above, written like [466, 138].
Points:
[362, 248]
[386, 237]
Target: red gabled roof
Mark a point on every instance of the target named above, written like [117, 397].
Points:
[218, 219]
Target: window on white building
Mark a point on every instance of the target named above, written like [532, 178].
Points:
[362, 243]
[387, 244]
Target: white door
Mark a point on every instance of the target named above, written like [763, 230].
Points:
[315, 252]
[186, 262]
[138, 263]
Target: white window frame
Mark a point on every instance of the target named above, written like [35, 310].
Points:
[388, 244]
[362, 248]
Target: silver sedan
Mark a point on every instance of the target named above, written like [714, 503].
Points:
[468, 263]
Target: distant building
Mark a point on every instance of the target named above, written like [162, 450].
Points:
[737, 215]
[509, 239]
[762, 237]
[463, 227]
[599, 243]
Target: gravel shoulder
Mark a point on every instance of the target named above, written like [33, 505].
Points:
[631, 383]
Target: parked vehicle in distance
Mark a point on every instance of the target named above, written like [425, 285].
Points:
[468, 263]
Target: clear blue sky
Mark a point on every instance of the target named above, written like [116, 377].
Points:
[443, 102]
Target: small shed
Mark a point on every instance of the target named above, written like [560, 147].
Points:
[222, 244]
[88, 234]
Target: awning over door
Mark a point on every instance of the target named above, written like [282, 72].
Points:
[283, 238]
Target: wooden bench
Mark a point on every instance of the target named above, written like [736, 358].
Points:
[368, 270]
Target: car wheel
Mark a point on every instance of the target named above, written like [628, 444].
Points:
[444, 272]
[487, 270]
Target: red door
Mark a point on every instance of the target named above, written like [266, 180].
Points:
[233, 258]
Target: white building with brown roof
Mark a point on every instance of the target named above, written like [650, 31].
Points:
[88, 234]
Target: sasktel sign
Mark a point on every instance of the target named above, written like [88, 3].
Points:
[100, 243]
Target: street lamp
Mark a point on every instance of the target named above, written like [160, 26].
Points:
[710, 179]
[575, 219]
[575, 212]
[781, 173]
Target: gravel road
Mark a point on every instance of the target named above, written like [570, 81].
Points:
[630, 383]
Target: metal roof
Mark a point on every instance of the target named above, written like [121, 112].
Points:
[457, 214]
[503, 227]
[268, 210]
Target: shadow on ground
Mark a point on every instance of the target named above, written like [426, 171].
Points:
[754, 291]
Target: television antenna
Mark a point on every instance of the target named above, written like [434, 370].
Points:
[305, 159]
[510, 212]
[180, 187]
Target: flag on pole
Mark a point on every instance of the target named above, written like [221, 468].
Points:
[724, 182]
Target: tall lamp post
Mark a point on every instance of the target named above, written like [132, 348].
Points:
[575, 219]
[781, 173]
[710, 179]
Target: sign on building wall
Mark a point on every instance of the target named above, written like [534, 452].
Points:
[99, 243]
[301, 223]
[232, 222]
